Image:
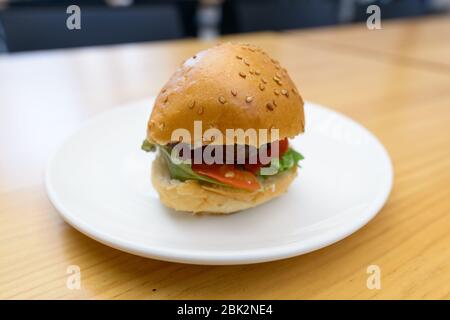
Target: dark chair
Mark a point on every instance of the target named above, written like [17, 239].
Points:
[3, 47]
[45, 27]
[253, 15]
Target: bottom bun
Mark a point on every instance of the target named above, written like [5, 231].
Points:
[196, 197]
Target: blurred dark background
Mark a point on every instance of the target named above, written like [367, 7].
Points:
[38, 24]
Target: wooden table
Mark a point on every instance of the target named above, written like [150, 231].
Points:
[396, 81]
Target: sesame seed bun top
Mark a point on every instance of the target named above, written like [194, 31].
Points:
[228, 86]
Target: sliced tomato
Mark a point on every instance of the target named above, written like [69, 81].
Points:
[254, 168]
[283, 146]
[229, 175]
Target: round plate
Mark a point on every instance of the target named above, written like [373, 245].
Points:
[99, 180]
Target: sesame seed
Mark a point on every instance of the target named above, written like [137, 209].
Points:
[294, 91]
[246, 62]
[257, 72]
[229, 174]
[261, 87]
[234, 92]
[276, 79]
[243, 75]
[239, 57]
[222, 100]
[249, 99]
[274, 103]
[263, 80]
[269, 106]
[278, 75]
[161, 125]
[192, 104]
[251, 71]
[285, 92]
[166, 98]
[276, 91]
[252, 49]
[163, 90]
[200, 110]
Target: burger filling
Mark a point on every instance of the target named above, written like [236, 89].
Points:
[246, 175]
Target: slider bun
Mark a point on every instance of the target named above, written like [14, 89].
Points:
[228, 86]
[193, 196]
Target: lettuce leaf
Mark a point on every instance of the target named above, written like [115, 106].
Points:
[148, 146]
[183, 171]
[289, 159]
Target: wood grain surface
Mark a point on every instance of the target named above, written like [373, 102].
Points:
[395, 81]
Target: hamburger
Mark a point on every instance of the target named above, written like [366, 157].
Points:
[221, 126]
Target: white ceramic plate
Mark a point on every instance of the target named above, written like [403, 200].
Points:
[99, 180]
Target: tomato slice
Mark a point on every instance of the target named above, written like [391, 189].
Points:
[283, 146]
[229, 175]
[254, 168]
[241, 179]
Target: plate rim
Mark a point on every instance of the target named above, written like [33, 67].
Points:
[220, 257]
